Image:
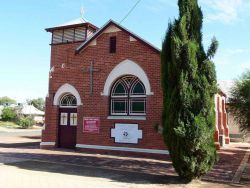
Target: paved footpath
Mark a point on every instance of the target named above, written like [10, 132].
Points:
[24, 165]
[63, 168]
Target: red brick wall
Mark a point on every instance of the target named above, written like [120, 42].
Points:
[98, 105]
[219, 111]
[51, 122]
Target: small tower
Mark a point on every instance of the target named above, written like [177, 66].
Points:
[77, 30]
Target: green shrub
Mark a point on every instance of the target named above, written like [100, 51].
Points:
[189, 85]
[6, 101]
[9, 114]
[26, 122]
[240, 102]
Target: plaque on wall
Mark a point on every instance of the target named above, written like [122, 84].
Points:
[91, 124]
[126, 133]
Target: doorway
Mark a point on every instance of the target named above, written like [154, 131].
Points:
[67, 122]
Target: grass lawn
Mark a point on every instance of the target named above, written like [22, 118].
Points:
[8, 124]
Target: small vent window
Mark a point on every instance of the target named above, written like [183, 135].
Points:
[57, 37]
[112, 45]
[68, 35]
[80, 33]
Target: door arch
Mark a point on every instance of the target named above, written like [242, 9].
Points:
[64, 89]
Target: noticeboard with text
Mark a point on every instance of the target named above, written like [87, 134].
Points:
[91, 124]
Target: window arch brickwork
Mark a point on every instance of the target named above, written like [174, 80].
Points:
[66, 88]
[126, 67]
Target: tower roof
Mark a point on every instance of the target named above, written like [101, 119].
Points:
[75, 22]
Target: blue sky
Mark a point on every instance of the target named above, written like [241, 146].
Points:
[25, 50]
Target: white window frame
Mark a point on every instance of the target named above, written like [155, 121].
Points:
[130, 106]
[129, 97]
[126, 106]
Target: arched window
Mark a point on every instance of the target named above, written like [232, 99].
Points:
[68, 100]
[128, 97]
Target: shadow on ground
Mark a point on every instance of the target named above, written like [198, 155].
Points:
[16, 145]
[38, 137]
[114, 175]
[117, 169]
[125, 170]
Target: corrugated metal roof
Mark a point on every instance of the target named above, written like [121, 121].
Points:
[73, 22]
[31, 110]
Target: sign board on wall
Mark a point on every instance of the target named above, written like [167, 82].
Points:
[126, 133]
[91, 124]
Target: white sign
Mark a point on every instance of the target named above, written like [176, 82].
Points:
[126, 133]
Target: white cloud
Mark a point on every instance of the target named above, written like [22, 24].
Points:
[237, 51]
[232, 62]
[168, 2]
[225, 11]
[231, 55]
[245, 66]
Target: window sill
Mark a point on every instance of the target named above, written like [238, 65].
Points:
[127, 117]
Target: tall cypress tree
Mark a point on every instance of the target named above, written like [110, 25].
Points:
[189, 85]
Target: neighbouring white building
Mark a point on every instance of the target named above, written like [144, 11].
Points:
[30, 110]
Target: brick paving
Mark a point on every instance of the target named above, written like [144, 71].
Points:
[245, 178]
[149, 166]
[34, 174]
[223, 171]
[128, 169]
[229, 161]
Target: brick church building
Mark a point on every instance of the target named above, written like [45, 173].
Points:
[105, 91]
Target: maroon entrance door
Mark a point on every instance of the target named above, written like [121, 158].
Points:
[67, 127]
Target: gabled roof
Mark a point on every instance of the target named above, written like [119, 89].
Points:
[75, 22]
[102, 29]
[31, 110]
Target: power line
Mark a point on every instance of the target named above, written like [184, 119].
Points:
[130, 11]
